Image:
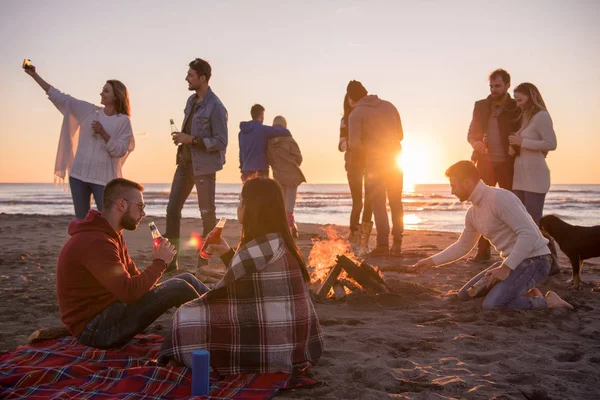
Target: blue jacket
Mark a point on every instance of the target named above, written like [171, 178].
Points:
[253, 140]
[209, 124]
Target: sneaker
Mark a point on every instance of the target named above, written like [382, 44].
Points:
[481, 258]
[396, 250]
[379, 251]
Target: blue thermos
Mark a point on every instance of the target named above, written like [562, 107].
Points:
[200, 372]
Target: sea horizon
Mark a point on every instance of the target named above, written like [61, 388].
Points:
[426, 206]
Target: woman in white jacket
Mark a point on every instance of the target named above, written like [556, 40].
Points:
[531, 179]
[94, 141]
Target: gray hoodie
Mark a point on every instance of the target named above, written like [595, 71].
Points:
[375, 127]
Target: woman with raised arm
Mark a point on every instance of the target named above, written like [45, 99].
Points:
[94, 141]
[259, 318]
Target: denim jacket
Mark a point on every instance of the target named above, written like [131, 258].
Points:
[209, 124]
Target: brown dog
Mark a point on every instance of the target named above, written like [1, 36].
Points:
[577, 242]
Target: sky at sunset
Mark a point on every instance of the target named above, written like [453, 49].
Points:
[430, 58]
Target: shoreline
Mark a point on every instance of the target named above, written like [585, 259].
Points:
[416, 342]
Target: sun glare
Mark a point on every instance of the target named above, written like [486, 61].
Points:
[415, 162]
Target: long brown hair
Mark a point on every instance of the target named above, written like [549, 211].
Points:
[536, 102]
[264, 212]
[122, 97]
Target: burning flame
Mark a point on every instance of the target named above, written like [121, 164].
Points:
[323, 254]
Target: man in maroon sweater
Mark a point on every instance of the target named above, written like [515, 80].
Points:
[103, 298]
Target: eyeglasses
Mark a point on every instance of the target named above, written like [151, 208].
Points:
[140, 205]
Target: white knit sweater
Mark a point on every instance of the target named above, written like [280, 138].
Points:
[499, 216]
[94, 161]
[531, 171]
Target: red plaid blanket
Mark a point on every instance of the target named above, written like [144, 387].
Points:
[67, 370]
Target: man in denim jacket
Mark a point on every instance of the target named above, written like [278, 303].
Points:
[200, 153]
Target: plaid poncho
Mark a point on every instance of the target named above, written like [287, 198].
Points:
[258, 318]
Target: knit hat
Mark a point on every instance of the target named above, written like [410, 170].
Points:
[356, 90]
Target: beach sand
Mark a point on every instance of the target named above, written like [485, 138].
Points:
[418, 342]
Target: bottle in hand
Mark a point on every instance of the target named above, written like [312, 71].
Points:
[156, 236]
[478, 287]
[214, 237]
[173, 129]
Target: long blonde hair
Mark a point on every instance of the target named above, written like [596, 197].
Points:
[536, 101]
[122, 97]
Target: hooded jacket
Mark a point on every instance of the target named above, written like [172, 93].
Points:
[285, 158]
[376, 129]
[253, 139]
[94, 270]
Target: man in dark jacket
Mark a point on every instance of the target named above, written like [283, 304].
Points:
[375, 128]
[494, 119]
[103, 298]
[253, 138]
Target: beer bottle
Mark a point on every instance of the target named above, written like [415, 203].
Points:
[214, 237]
[156, 236]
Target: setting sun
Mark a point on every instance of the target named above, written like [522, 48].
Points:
[416, 162]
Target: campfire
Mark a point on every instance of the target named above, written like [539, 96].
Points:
[337, 272]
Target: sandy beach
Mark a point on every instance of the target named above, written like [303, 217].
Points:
[418, 342]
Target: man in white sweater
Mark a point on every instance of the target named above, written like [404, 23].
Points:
[498, 215]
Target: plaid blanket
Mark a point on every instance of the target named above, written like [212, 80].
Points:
[67, 370]
[258, 318]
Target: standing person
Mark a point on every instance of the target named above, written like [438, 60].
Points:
[533, 141]
[355, 172]
[253, 139]
[259, 318]
[103, 298]
[94, 141]
[498, 215]
[375, 129]
[200, 154]
[495, 118]
[285, 158]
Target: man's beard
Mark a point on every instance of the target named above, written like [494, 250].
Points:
[129, 223]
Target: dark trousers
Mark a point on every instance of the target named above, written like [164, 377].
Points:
[355, 182]
[533, 202]
[255, 173]
[120, 322]
[183, 183]
[382, 186]
[493, 173]
[82, 192]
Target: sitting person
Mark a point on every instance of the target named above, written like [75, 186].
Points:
[285, 158]
[500, 217]
[103, 298]
[259, 318]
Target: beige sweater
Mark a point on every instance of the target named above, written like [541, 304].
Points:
[499, 216]
[531, 171]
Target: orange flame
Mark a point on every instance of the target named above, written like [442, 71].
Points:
[323, 254]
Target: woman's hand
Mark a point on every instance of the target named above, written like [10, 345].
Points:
[218, 249]
[515, 139]
[511, 151]
[97, 128]
[30, 70]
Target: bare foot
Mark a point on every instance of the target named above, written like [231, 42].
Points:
[554, 301]
[533, 292]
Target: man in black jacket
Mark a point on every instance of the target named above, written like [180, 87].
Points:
[494, 119]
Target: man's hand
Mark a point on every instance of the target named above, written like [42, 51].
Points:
[422, 266]
[218, 249]
[164, 251]
[480, 147]
[182, 138]
[497, 274]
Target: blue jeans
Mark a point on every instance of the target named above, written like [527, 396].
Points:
[382, 186]
[508, 294]
[183, 183]
[120, 322]
[81, 193]
[533, 202]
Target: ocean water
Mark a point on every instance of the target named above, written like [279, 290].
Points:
[430, 207]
